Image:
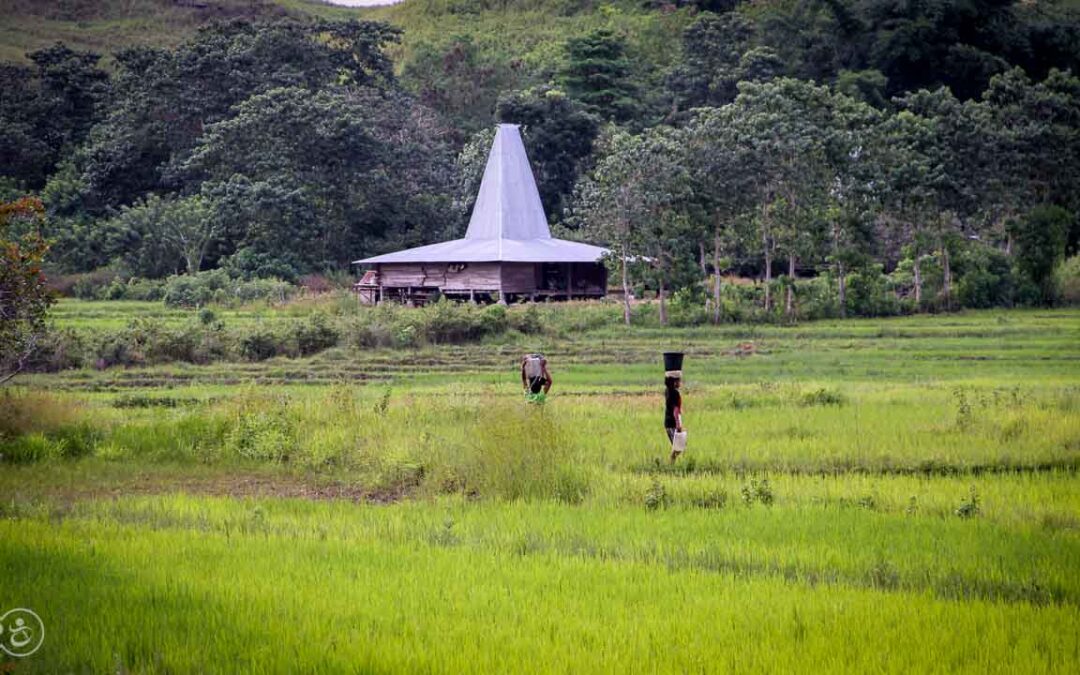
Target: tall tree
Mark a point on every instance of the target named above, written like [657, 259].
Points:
[160, 232]
[635, 200]
[598, 75]
[712, 49]
[723, 174]
[785, 125]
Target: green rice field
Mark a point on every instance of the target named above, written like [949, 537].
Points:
[896, 496]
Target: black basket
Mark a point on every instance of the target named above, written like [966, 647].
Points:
[672, 361]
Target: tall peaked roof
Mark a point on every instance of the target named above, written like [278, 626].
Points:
[508, 204]
[508, 222]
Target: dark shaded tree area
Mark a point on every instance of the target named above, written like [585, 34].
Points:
[276, 148]
[875, 48]
[46, 111]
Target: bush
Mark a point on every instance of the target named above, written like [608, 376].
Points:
[58, 349]
[195, 290]
[985, 278]
[262, 430]
[1041, 239]
[188, 290]
[315, 334]
[85, 286]
[687, 307]
[1067, 280]
[259, 344]
[869, 294]
[315, 284]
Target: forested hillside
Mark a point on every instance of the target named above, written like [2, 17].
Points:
[867, 157]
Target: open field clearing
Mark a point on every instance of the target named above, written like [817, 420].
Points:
[898, 495]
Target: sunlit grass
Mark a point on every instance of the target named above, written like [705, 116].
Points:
[886, 496]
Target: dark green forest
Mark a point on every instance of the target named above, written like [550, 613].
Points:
[861, 157]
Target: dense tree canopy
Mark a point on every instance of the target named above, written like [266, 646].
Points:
[925, 145]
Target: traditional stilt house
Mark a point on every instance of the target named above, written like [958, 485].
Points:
[507, 254]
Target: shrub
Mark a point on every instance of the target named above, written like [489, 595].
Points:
[1067, 280]
[88, 285]
[144, 289]
[315, 284]
[259, 344]
[687, 307]
[757, 491]
[1041, 239]
[187, 290]
[58, 349]
[527, 320]
[969, 507]
[869, 294]
[985, 278]
[262, 430]
[656, 497]
[820, 397]
[315, 334]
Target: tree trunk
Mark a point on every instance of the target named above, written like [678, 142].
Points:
[841, 289]
[701, 258]
[946, 277]
[625, 290]
[789, 299]
[663, 306]
[716, 279]
[918, 282]
[768, 277]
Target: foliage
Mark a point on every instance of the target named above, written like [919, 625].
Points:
[828, 136]
[1040, 242]
[1067, 278]
[24, 296]
[597, 74]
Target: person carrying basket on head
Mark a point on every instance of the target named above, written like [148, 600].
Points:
[535, 377]
[673, 408]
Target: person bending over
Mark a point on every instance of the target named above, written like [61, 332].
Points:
[534, 374]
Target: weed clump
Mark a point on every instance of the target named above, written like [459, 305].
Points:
[822, 397]
[755, 491]
[711, 499]
[969, 508]
[656, 497]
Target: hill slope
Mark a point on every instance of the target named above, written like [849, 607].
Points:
[106, 25]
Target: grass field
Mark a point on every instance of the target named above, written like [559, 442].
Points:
[892, 495]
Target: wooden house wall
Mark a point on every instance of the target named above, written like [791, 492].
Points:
[476, 276]
[519, 277]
